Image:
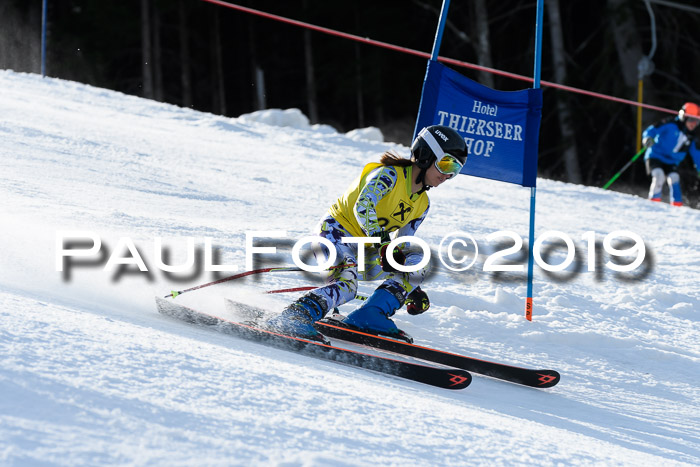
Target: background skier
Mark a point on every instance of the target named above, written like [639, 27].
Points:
[668, 142]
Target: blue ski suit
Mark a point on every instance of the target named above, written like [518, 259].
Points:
[672, 143]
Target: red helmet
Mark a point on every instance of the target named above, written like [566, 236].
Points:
[689, 109]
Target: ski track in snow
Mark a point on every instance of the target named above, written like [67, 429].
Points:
[92, 374]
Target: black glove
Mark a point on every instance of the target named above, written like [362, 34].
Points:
[648, 142]
[417, 302]
[398, 255]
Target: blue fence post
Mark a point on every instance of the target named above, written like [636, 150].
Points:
[440, 30]
[533, 190]
[436, 47]
[43, 39]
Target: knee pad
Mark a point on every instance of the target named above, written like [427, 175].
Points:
[658, 174]
[673, 178]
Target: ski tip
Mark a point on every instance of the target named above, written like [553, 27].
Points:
[547, 378]
[164, 305]
[458, 379]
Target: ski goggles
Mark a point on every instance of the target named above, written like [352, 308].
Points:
[448, 165]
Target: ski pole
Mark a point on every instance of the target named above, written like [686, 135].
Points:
[175, 293]
[294, 289]
[304, 289]
[634, 158]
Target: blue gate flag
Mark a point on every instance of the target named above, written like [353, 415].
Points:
[501, 128]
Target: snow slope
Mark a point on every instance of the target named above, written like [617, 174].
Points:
[91, 374]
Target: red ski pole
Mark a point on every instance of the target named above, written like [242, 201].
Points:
[175, 293]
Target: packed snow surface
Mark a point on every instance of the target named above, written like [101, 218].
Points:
[91, 374]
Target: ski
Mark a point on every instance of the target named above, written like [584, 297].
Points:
[447, 378]
[335, 329]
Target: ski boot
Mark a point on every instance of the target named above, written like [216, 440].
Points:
[374, 316]
[298, 318]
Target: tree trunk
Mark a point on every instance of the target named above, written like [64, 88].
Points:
[573, 171]
[260, 97]
[20, 38]
[627, 42]
[260, 101]
[217, 67]
[483, 42]
[311, 99]
[185, 76]
[35, 14]
[358, 91]
[358, 76]
[146, 70]
[158, 93]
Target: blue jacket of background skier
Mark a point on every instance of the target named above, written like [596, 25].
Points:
[672, 142]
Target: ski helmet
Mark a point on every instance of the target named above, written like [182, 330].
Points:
[689, 109]
[435, 141]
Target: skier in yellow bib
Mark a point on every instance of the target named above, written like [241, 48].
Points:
[388, 197]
